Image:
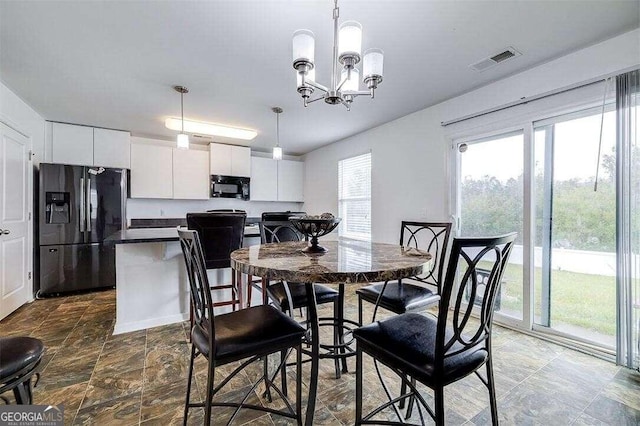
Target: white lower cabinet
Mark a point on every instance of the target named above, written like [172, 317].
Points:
[151, 171]
[190, 174]
[273, 180]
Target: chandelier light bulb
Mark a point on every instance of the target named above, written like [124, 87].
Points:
[373, 63]
[311, 75]
[351, 85]
[303, 47]
[350, 39]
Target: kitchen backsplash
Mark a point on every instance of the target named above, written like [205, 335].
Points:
[146, 208]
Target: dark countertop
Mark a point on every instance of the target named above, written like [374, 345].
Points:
[157, 235]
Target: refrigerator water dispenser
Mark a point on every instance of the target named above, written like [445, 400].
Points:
[57, 207]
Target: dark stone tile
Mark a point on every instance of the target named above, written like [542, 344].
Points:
[612, 412]
[164, 400]
[105, 387]
[525, 405]
[120, 411]
[69, 396]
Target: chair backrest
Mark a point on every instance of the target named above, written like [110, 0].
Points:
[467, 255]
[220, 234]
[278, 231]
[433, 238]
[198, 281]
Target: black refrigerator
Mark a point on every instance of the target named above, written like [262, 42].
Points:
[78, 207]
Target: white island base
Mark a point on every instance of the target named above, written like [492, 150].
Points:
[151, 286]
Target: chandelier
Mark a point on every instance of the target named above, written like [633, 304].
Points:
[347, 47]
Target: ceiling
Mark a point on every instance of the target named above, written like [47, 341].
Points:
[113, 64]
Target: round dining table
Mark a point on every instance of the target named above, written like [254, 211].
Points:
[346, 262]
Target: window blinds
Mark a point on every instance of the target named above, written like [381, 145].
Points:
[354, 197]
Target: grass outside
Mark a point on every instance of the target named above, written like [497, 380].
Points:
[581, 300]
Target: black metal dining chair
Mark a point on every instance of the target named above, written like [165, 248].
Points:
[438, 351]
[221, 233]
[289, 296]
[419, 292]
[20, 358]
[245, 335]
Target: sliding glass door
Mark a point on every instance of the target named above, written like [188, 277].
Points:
[575, 221]
[490, 201]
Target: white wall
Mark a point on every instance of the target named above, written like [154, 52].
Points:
[410, 155]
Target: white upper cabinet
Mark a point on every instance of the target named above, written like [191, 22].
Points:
[72, 144]
[229, 160]
[190, 174]
[241, 161]
[290, 181]
[111, 148]
[264, 179]
[220, 159]
[151, 171]
[89, 146]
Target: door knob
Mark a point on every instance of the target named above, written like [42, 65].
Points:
[4, 232]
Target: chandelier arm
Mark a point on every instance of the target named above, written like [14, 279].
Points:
[358, 93]
[346, 104]
[316, 99]
[344, 80]
[316, 85]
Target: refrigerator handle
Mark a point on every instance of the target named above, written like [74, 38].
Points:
[88, 203]
[83, 211]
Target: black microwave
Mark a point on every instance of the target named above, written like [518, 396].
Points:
[230, 187]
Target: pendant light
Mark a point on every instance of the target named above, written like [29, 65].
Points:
[277, 151]
[183, 139]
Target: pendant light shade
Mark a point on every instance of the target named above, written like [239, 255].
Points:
[277, 151]
[182, 141]
[350, 39]
[304, 45]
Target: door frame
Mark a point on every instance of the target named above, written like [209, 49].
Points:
[30, 202]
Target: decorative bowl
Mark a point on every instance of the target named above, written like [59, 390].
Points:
[314, 228]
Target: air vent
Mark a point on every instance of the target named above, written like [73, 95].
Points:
[496, 59]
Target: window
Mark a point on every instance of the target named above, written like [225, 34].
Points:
[354, 197]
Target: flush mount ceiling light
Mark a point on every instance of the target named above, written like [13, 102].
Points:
[277, 151]
[204, 128]
[347, 46]
[182, 140]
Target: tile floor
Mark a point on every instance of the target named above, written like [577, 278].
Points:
[140, 377]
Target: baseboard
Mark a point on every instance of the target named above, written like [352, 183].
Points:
[150, 323]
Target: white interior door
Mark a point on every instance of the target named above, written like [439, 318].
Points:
[14, 204]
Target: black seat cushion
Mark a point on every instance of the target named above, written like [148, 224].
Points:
[408, 342]
[298, 292]
[17, 353]
[259, 330]
[400, 297]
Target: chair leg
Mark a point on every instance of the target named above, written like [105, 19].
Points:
[208, 402]
[186, 404]
[438, 394]
[234, 290]
[341, 323]
[336, 334]
[265, 371]
[283, 372]
[249, 289]
[299, 384]
[359, 368]
[492, 392]
[403, 390]
[412, 400]
[22, 393]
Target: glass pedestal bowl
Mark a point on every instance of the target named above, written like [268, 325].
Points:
[314, 228]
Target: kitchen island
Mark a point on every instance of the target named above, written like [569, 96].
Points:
[151, 282]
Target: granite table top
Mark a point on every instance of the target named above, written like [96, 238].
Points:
[346, 261]
[155, 235]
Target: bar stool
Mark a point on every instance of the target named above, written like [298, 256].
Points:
[221, 233]
[19, 361]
